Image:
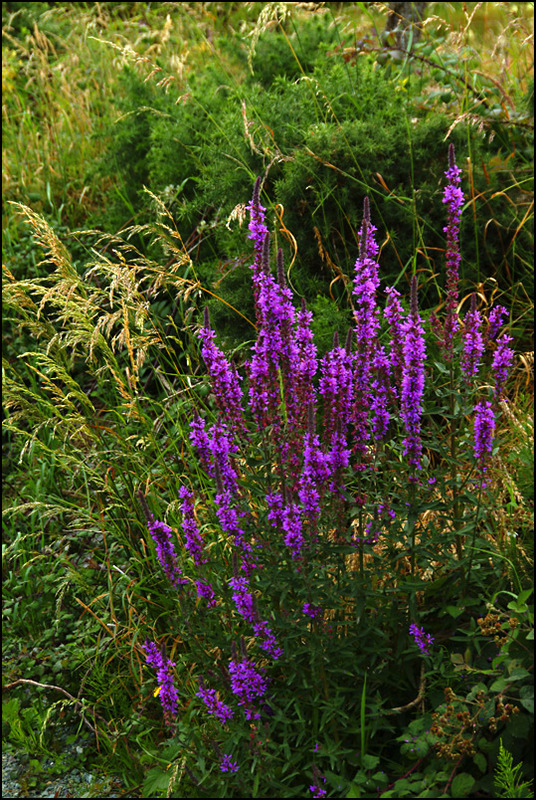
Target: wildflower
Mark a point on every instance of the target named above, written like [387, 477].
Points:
[453, 197]
[222, 448]
[226, 765]
[168, 694]
[268, 641]
[315, 472]
[271, 351]
[412, 387]
[394, 313]
[213, 704]
[292, 526]
[495, 321]
[422, 640]
[194, 541]
[225, 379]
[257, 232]
[316, 788]
[245, 605]
[502, 361]
[312, 611]
[302, 368]
[243, 599]
[165, 551]
[367, 325]
[247, 684]
[473, 341]
[205, 590]
[381, 393]
[484, 426]
[366, 282]
[336, 388]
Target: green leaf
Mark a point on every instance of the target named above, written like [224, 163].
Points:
[455, 611]
[518, 674]
[462, 784]
[156, 781]
[499, 685]
[370, 762]
[480, 761]
[528, 704]
[353, 791]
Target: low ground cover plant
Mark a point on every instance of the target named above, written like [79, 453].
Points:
[307, 591]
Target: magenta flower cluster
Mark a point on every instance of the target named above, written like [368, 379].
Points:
[164, 675]
[453, 197]
[484, 426]
[248, 684]
[423, 640]
[214, 705]
[165, 551]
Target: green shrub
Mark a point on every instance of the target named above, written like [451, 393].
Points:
[321, 135]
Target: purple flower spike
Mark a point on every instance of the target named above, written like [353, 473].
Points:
[453, 197]
[412, 388]
[312, 611]
[165, 551]
[336, 389]
[247, 685]
[214, 706]
[422, 640]
[225, 379]
[394, 314]
[495, 321]
[473, 341]
[483, 436]
[169, 698]
[194, 541]
[205, 590]
[502, 361]
[257, 225]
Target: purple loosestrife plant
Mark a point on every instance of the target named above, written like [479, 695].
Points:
[412, 388]
[225, 380]
[453, 197]
[366, 316]
[473, 341]
[495, 322]
[394, 314]
[336, 389]
[248, 685]
[214, 705]
[258, 232]
[164, 675]
[305, 468]
[165, 551]
[194, 540]
[423, 640]
[227, 765]
[502, 361]
[484, 428]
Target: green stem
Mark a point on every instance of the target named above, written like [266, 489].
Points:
[478, 506]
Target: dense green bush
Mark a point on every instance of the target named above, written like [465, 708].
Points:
[322, 132]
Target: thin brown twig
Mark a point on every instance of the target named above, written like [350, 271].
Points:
[418, 699]
[77, 703]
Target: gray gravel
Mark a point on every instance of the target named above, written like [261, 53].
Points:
[74, 783]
